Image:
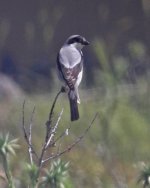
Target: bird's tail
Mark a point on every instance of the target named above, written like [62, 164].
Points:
[73, 105]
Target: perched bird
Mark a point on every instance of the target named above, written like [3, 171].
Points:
[70, 69]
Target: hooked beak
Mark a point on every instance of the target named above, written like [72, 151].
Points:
[85, 42]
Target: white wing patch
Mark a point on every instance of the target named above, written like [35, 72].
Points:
[69, 56]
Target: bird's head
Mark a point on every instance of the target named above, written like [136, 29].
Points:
[78, 41]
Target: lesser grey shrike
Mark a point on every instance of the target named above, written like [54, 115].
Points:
[70, 69]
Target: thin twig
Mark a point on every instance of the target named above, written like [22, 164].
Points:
[48, 123]
[26, 135]
[30, 148]
[48, 131]
[23, 122]
[53, 105]
[73, 144]
[60, 136]
[46, 144]
[54, 130]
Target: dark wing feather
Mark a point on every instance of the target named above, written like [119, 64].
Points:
[70, 75]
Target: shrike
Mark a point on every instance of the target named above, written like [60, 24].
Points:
[70, 69]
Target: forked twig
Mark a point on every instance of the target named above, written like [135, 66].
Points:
[50, 129]
[54, 130]
[60, 136]
[49, 140]
[73, 144]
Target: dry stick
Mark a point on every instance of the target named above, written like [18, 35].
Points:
[62, 90]
[48, 132]
[73, 144]
[48, 123]
[30, 149]
[23, 124]
[26, 136]
[54, 130]
[60, 136]
[53, 105]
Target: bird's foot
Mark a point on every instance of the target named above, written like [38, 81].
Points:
[64, 89]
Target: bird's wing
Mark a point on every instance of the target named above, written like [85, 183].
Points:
[70, 65]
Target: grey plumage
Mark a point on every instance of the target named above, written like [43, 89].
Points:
[70, 68]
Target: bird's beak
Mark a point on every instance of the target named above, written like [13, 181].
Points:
[85, 42]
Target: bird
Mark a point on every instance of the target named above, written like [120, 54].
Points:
[70, 70]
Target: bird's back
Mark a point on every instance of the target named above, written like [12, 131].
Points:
[69, 56]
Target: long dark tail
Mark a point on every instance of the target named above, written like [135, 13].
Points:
[73, 105]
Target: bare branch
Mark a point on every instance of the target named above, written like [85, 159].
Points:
[73, 144]
[30, 148]
[53, 105]
[48, 123]
[54, 130]
[50, 139]
[49, 131]
[28, 137]
[23, 122]
[61, 136]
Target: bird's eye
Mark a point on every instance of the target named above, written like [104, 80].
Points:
[78, 40]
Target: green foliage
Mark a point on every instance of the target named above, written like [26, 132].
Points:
[113, 68]
[57, 175]
[137, 49]
[7, 148]
[144, 176]
[32, 171]
[120, 137]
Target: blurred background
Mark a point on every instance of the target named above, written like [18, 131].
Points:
[116, 82]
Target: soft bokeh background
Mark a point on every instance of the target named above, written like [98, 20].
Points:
[116, 82]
